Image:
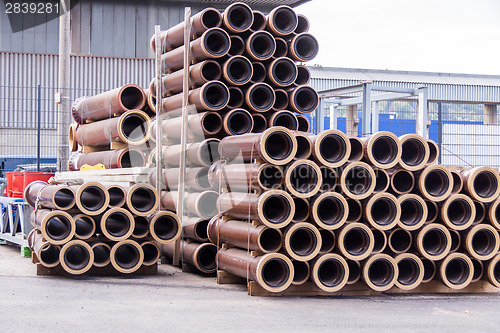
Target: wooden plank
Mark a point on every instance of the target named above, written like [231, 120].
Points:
[109, 270]
[224, 277]
[437, 287]
[310, 289]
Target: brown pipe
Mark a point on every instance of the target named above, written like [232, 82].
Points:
[283, 118]
[259, 72]
[201, 256]
[199, 154]
[303, 99]
[131, 128]
[60, 197]
[478, 270]
[357, 180]
[151, 253]
[212, 44]
[236, 122]
[260, 97]
[303, 76]
[380, 272]
[458, 212]
[493, 271]
[433, 241]
[273, 208]
[329, 210]
[117, 195]
[302, 272]
[165, 227]
[435, 183]
[127, 256]
[281, 48]
[356, 149]
[482, 242]
[458, 183]
[330, 179]
[327, 241]
[146, 108]
[303, 178]
[200, 126]
[212, 96]
[456, 240]
[480, 212]
[92, 198]
[281, 100]
[259, 21]
[430, 269]
[196, 229]
[111, 159]
[196, 179]
[330, 272]
[399, 241]
[414, 152]
[303, 47]
[432, 211]
[301, 241]
[456, 271]
[101, 254]
[244, 177]
[259, 123]
[200, 22]
[482, 183]
[244, 235]
[141, 227]
[142, 199]
[282, 72]
[301, 209]
[411, 271]
[304, 146]
[382, 149]
[302, 24]
[73, 145]
[413, 212]
[106, 104]
[354, 271]
[331, 148]
[382, 211]
[202, 204]
[237, 46]
[237, 71]
[273, 271]
[355, 210]
[304, 125]
[275, 145]
[380, 240]
[76, 257]
[282, 21]
[236, 98]
[84, 226]
[199, 74]
[57, 227]
[355, 241]
[433, 152]
[494, 214]
[117, 224]
[46, 253]
[382, 180]
[237, 18]
[260, 46]
[401, 181]
[151, 102]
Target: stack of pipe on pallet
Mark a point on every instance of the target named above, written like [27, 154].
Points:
[93, 225]
[112, 129]
[335, 211]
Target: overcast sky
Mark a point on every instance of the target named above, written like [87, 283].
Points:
[455, 36]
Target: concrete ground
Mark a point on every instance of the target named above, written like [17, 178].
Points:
[174, 301]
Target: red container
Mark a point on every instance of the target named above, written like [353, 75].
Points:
[17, 181]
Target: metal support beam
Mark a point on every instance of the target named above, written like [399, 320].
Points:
[333, 116]
[440, 130]
[375, 117]
[375, 98]
[422, 112]
[341, 90]
[366, 109]
[320, 117]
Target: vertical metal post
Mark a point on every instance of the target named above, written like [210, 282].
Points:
[422, 112]
[333, 116]
[320, 119]
[375, 117]
[184, 129]
[38, 127]
[159, 118]
[63, 114]
[366, 109]
[440, 129]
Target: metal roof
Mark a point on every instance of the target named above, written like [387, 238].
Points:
[291, 3]
[337, 73]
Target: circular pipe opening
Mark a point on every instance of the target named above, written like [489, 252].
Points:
[484, 242]
[433, 152]
[235, 98]
[239, 70]
[385, 150]
[358, 180]
[455, 240]
[302, 24]
[331, 272]
[354, 271]
[459, 212]
[383, 211]
[379, 240]
[437, 182]
[381, 272]
[127, 256]
[356, 241]
[216, 43]
[58, 227]
[166, 227]
[304, 178]
[262, 45]
[329, 177]
[333, 148]
[303, 241]
[206, 258]
[240, 122]
[117, 224]
[240, 17]
[92, 198]
[276, 208]
[261, 98]
[141, 226]
[201, 229]
[429, 269]
[303, 123]
[207, 204]
[215, 95]
[284, 20]
[496, 271]
[101, 254]
[480, 212]
[286, 119]
[457, 182]
[301, 271]
[270, 240]
[210, 70]
[306, 99]
[284, 71]
[400, 240]
[211, 123]
[306, 47]
[485, 184]
[259, 72]
[281, 48]
[64, 198]
[143, 199]
[356, 149]
[259, 123]
[271, 177]
[211, 18]
[259, 21]
[413, 152]
[116, 196]
[381, 180]
[237, 46]
[134, 127]
[355, 210]
[301, 209]
[434, 242]
[76, 257]
[279, 145]
[432, 210]
[477, 269]
[412, 212]
[132, 158]
[84, 226]
[209, 152]
[457, 271]
[330, 210]
[275, 272]
[150, 252]
[281, 100]
[327, 240]
[409, 271]
[403, 181]
[132, 98]
[304, 147]
[49, 254]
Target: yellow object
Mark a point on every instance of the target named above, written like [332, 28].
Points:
[92, 167]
